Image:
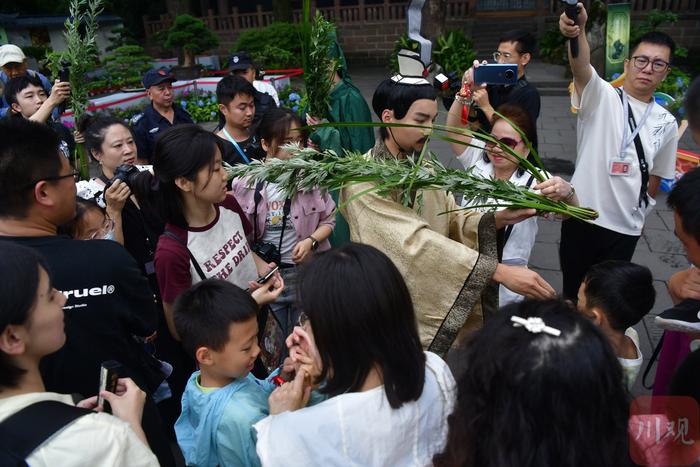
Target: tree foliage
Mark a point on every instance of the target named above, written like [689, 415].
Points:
[191, 35]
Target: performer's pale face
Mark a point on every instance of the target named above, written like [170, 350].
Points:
[422, 112]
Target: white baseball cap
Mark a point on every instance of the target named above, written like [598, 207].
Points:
[10, 53]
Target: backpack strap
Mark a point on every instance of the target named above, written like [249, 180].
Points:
[24, 431]
[651, 361]
[643, 166]
[171, 234]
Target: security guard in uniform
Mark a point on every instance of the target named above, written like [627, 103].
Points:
[159, 116]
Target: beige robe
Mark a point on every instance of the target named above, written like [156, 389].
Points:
[446, 260]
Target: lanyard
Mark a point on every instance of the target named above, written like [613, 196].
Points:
[626, 140]
[235, 145]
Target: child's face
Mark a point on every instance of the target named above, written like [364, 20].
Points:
[582, 306]
[237, 357]
[294, 136]
[93, 224]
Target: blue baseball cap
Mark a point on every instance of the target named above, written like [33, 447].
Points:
[155, 77]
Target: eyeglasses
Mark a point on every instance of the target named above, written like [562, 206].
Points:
[99, 234]
[54, 178]
[510, 142]
[498, 55]
[658, 66]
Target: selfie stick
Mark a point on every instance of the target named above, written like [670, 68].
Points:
[571, 11]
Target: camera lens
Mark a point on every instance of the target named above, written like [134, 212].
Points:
[510, 74]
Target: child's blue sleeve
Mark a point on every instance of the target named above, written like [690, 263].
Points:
[235, 436]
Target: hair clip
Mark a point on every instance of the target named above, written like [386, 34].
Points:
[535, 325]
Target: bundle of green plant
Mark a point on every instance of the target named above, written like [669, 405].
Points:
[319, 67]
[192, 35]
[309, 169]
[81, 55]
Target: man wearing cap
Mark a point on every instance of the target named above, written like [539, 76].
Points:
[265, 94]
[159, 116]
[14, 64]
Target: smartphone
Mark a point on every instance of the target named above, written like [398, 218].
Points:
[496, 73]
[64, 73]
[266, 277]
[109, 374]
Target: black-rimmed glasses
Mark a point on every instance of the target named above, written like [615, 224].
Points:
[54, 178]
[640, 62]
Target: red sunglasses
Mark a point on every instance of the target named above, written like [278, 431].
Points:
[510, 142]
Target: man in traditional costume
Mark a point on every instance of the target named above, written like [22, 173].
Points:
[448, 258]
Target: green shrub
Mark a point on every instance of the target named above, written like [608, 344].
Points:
[275, 46]
[126, 64]
[553, 46]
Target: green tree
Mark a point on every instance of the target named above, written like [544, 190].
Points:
[126, 65]
[192, 36]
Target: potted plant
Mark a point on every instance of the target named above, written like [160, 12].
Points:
[192, 37]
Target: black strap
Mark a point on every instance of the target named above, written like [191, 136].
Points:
[170, 234]
[651, 361]
[643, 166]
[509, 228]
[25, 430]
[257, 197]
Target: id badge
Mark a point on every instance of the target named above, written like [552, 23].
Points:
[620, 168]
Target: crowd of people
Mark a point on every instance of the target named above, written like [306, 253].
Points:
[251, 327]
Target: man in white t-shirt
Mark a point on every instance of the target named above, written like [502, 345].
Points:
[610, 174]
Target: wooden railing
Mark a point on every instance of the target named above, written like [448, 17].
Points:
[388, 12]
[339, 14]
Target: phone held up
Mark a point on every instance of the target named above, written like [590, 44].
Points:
[496, 73]
[109, 374]
[64, 73]
[268, 276]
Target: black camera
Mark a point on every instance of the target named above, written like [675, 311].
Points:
[125, 173]
[267, 252]
[64, 73]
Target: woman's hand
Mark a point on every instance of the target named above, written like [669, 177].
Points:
[267, 292]
[303, 352]
[556, 189]
[126, 401]
[312, 120]
[78, 137]
[115, 197]
[302, 250]
[291, 396]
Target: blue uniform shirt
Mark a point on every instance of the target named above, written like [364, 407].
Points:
[149, 124]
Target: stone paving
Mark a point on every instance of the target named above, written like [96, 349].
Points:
[658, 248]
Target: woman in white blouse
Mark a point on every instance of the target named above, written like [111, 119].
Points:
[488, 160]
[388, 400]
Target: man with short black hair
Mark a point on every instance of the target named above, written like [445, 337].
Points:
[515, 48]
[27, 99]
[626, 144]
[14, 64]
[109, 301]
[159, 116]
[236, 98]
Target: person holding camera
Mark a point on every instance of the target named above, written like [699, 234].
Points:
[286, 231]
[43, 427]
[515, 48]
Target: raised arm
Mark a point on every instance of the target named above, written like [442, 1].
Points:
[581, 65]
[454, 119]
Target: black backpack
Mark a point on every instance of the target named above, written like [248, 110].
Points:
[24, 431]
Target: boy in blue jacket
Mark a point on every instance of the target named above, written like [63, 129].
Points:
[217, 323]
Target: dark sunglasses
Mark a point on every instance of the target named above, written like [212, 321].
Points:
[510, 142]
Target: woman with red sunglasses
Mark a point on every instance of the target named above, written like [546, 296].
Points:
[488, 159]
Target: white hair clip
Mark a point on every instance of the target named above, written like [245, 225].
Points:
[535, 325]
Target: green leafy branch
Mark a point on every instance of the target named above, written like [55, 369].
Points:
[310, 169]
